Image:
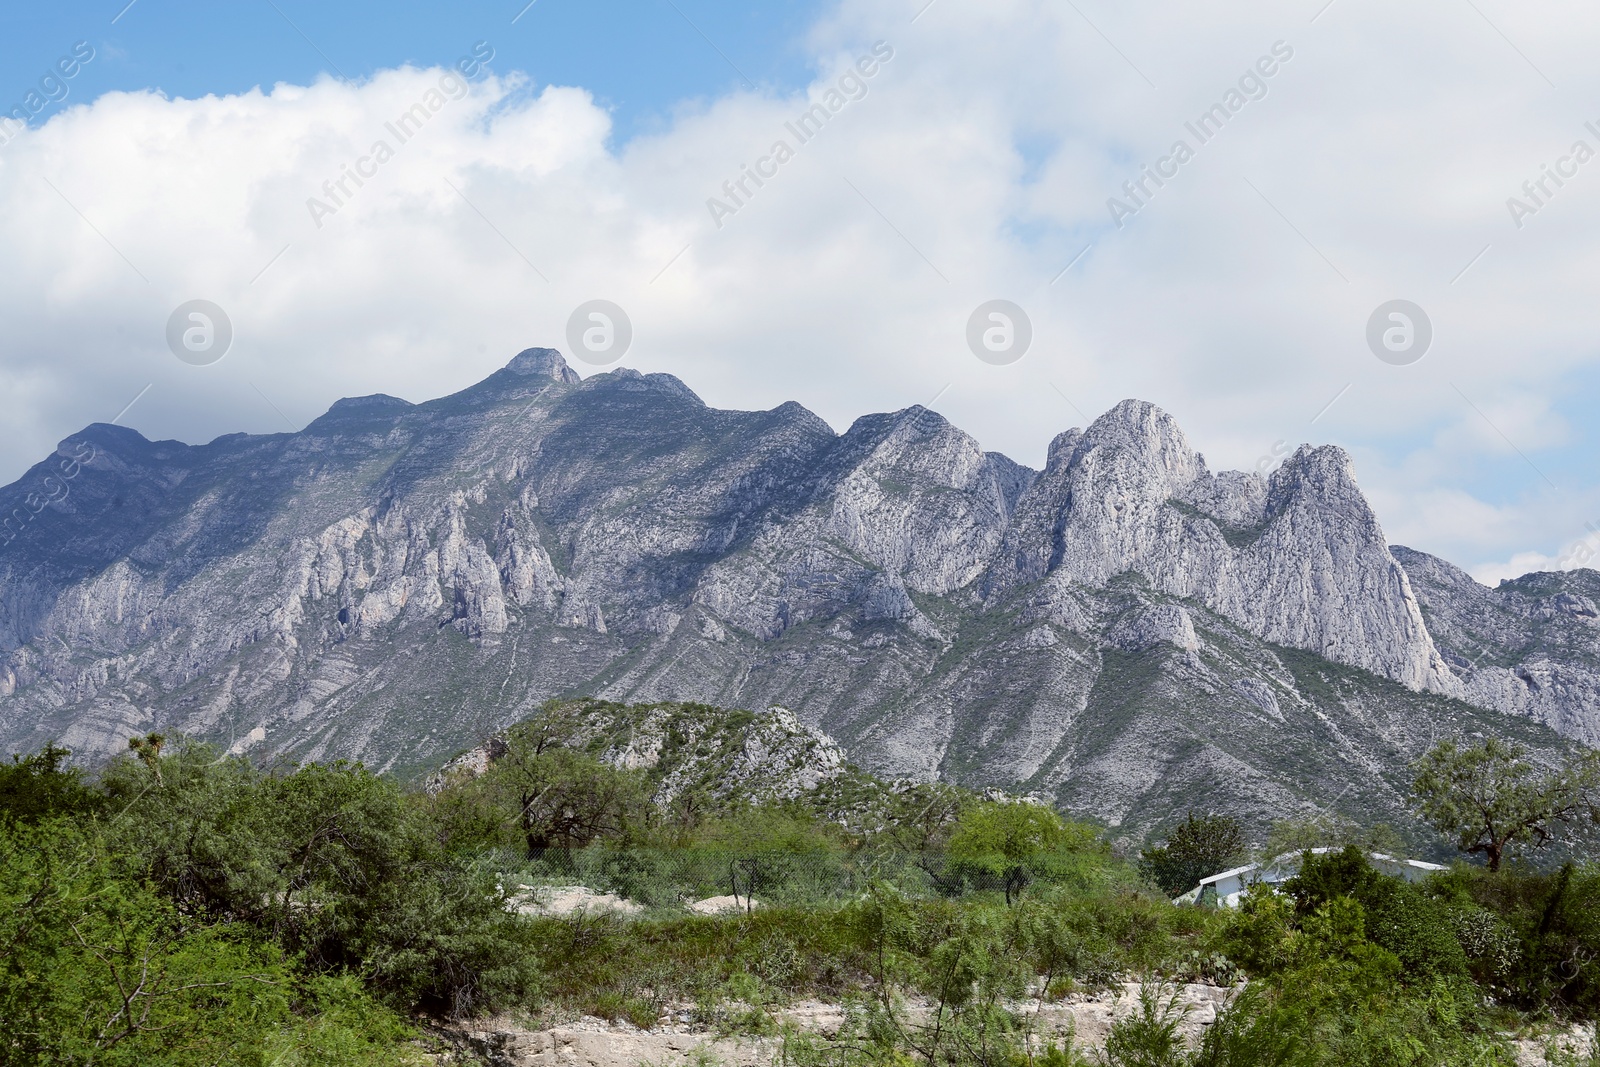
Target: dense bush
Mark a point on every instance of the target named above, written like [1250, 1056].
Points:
[1398, 916]
[334, 863]
[44, 784]
[1531, 938]
[1200, 846]
[96, 966]
[185, 893]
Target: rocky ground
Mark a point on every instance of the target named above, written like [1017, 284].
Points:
[559, 900]
[505, 1041]
[676, 1042]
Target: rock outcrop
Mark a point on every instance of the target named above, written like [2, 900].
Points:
[1298, 561]
[768, 756]
[1530, 647]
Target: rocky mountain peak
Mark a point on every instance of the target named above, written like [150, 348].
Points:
[1326, 471]
[1144, 430]
[542, 363]
[1433, 570]
[1061, 448]
[1529, 647]
[916, 442]
[372, 402]
[1300, 561]
[630, 380]
[361, 411]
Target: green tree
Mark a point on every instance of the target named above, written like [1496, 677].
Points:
[1330, 831]
[563, 798]
[772, 851]
[195, 824]
[42, 784]
[922, 816]
[1199, 846]
[335, 864]
[1400, 917]
[1005, 840]
[1491, 800]
[97, 967]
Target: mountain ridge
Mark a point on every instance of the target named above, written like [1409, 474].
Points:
[397, 581]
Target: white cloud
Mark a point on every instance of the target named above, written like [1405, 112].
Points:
[977, 166]
[1580, 552]
[1492, 574]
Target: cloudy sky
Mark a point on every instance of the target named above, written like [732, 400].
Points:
[1352, 153]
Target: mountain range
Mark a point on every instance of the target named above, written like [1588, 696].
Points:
[1126, 631]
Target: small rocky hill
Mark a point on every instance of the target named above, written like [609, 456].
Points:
[725, 755]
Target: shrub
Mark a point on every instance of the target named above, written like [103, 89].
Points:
[1258, 934]
[42, 784]
[332, 862]
[1326, 877]
[1399, 917]
[1491, 945]
[775, 854]
[98, 967]
[1200, 846]
[1416, 928]
[1008, 844]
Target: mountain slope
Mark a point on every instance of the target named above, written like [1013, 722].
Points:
[1529, 647]
[397, 582]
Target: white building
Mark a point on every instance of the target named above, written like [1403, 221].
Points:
[1230, 886]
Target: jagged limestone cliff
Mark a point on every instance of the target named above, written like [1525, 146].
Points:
[1126, 629]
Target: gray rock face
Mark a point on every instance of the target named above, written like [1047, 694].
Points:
[397, 582]
[1530, 647]
[1299, 561]
[1159, 624]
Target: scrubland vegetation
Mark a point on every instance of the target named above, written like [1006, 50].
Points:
[182, 907]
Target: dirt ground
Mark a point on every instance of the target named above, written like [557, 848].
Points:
[674, 1042]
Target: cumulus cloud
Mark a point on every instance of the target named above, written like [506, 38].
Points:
[1375, 162]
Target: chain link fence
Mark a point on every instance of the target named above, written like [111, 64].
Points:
[664, 877]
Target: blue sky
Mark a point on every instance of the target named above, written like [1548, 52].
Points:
[640, 58]
[979, 162]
